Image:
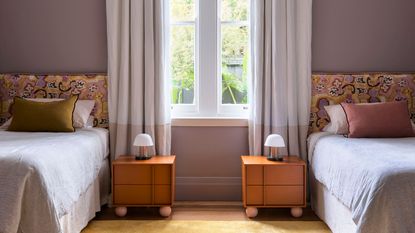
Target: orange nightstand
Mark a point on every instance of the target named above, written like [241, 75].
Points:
[143, 183]
[269, 184]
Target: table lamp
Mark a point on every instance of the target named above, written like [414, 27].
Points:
[143, 141]
[274, 141]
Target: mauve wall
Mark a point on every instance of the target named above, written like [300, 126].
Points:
[70, 36]
[47, 36]
[363, 35]
[208, 162]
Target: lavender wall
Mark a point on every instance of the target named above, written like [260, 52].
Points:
[208, 165]
[46, 36]
[49, 36]
[363, 35]
[70, 36]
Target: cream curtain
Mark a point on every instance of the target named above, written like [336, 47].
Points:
[281, 70]
[138, 97]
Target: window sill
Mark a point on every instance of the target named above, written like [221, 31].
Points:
[209, 122]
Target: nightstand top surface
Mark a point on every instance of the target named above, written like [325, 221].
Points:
[158, 159]
[262, 160]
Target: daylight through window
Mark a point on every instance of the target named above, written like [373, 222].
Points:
[208, 82]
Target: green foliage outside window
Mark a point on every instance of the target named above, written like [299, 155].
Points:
[234, 52]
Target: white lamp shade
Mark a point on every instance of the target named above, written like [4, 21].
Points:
[143, 140]
[274, 140]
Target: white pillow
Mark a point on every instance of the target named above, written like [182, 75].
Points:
[338, 121]
[81, 114]
[90, 122]
[6, 124]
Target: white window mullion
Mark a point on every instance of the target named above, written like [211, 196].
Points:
[219, 60]
[207, 57]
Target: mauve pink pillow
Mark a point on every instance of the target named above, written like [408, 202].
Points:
[378, 120]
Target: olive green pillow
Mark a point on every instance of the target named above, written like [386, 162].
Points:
[31, 116]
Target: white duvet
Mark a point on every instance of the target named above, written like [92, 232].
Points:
[374, 178]
[43, 174]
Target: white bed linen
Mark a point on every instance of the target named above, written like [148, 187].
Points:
[42, 175]
[374, 178]
[82, 210]
[89, 202]
[329, 209]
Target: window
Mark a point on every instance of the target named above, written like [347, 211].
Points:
[208, 57]
[182, 51]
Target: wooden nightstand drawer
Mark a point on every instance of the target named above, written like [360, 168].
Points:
[275, 184]
[132, 174]
[254, 175]
[162, 174]
[162, 194]
[143, 183]
[284, 175]
[284, 195]
[132, 194]
[254, 195]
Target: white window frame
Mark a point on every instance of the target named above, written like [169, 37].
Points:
[238, 110]
[178, 110]
[208, 75]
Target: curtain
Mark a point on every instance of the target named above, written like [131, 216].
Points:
[281, 74]
[138, 93]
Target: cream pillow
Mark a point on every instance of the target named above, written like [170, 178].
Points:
[338, 121]
[6, 124]
[81, 114]
[90, 122]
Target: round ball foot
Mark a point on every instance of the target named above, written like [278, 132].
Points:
[296, 212]
[251, 212]
[165, 211]
[121, 211]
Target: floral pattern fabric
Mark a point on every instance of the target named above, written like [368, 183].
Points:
[88, 87]
[328, 89]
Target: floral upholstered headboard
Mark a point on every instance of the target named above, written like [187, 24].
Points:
[328, 89]
[88, 87]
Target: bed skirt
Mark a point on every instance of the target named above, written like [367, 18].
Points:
[89, 203]
[329, 209]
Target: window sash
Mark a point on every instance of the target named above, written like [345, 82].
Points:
[208, 62]
[236, 110]
[178, 110]
[183, 23]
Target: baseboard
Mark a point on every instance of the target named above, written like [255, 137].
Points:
[208, 204]
[208, 189]
[209, 181]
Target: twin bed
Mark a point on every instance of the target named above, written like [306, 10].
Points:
[53, 182]
[362, 184]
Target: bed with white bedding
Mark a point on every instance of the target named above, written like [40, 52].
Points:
[360, 185]
[52, 182]
[373, 178]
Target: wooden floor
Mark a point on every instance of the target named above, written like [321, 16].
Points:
[206, 211]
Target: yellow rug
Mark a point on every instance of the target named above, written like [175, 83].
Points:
[191, 226]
